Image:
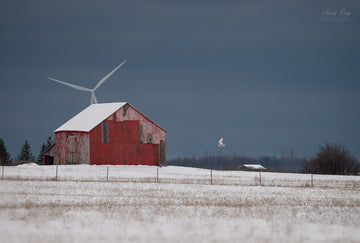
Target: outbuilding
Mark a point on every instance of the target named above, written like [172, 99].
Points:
[110, 133]
[252, 167]
[48, 155]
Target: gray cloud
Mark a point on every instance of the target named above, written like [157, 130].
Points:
[264, 75]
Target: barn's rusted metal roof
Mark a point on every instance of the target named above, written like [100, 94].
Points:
[90, 117]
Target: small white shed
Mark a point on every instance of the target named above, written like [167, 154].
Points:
[252, 167]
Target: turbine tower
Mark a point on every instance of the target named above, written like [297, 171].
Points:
[92, 91]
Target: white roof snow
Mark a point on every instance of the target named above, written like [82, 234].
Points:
[89, 118]
[255, 166]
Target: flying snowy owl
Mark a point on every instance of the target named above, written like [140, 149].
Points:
[221, 144]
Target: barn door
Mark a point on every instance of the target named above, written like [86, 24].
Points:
[72, 156]
[162, 153]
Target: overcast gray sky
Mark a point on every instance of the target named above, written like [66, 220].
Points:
[264, 75]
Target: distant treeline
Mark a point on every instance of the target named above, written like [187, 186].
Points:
[287, 163]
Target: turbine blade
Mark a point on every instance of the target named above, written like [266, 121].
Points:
[107, 76]
[71, 85]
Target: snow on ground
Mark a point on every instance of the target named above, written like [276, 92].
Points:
[77, 209]
[175, 174]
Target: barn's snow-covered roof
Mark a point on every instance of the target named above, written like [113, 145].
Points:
[90, 117]
[254, 166]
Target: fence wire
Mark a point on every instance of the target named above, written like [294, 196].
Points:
[176, 175]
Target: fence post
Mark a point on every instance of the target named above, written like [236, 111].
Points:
[312, 180]
[260, 177]
[211, 176]
[56, 172]
[107, 174]
[2, 176]
[157, 174]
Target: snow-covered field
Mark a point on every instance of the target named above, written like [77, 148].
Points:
[81, 206]
[175, 174]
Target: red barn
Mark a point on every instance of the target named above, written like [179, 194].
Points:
[110, 133]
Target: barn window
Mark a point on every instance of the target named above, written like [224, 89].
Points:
[149, 138]
[105, 132]
[141, 130]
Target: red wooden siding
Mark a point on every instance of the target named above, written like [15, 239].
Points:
[127, 112]
[124, 147]
[71, 148]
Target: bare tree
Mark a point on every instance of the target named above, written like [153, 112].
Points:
[332, 159]
[287, 160]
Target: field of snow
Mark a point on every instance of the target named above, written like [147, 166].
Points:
[175, 175]
[82, 206]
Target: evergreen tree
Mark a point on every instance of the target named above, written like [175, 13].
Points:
[25, 153]
[4, 155]
[49, 142]
[44, 147]
[40, 157]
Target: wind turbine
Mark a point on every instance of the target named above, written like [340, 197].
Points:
[92, 91]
